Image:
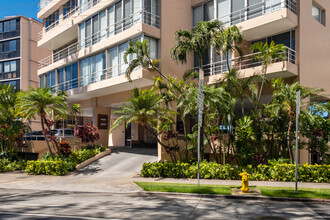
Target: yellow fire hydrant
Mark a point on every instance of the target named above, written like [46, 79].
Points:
[245, 181]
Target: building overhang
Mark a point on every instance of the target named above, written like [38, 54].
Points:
[269, 24]
[140, 78]
[50, 8]
[275, 70]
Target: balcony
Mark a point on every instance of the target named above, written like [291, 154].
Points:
[248, 66]
[266, 18]
[143, 17]
[108, 81]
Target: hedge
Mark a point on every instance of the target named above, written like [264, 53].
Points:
[7, 165]
[47, 167]
[212, 170]
[58, 165]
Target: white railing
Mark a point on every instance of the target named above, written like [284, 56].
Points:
[245, 62]
[43, 3]
[124, 24]
[91, 78]
[87, 5]
[67, 15]
[256, 10]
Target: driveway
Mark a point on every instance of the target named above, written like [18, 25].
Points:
[120, 163]
[113, 173]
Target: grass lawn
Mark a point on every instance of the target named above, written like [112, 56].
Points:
[185, 188]
[226, 190]
[290, 192]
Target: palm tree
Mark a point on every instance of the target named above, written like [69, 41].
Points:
[145, 107]
[267, 54]
[284, 98]
[240, 87]
[44, 103]
[75, 111]
[197, 42]
[140, 51]
[227, 41]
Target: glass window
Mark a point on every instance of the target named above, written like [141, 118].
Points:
[238, 14]
[82, 35]
[103, 25]
[7, 67]
[208, 11]
[127, 14]
[1, 27]
[122, 65]
[254, 8]
[12, 45]
[13, 65]
[60, 79]
[95, 32]
[12, 25]
[224, 11]
[88, 34]
[197, 15]
[118, 16]
[318, 13]
[6, 26]
[113, 56]
[112, 20]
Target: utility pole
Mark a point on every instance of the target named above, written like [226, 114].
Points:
[200, 105]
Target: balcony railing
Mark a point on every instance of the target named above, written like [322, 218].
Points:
[118, 27]
[245, 62]
[87, 5]
[43, 3]
[256, 10]
[91, 78]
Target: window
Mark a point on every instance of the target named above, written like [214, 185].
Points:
[204, 12]
[318, 13]
[48, 80]
[68, 77]
[52, 20]
[69, 8]
[9, 69]
[15, 84]
[93, 69]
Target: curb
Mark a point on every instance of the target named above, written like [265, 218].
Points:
[238, 197]
[93, 159]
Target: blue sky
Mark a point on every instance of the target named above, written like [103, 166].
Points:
[28, 8]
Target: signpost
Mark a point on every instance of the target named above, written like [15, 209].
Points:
[200, 105]
[297, 149]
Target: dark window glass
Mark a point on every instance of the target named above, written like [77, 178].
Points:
[237, 12]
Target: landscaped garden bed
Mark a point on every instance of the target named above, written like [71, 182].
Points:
[212, 170]
[60, 165]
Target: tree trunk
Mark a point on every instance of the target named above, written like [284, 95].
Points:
[54, 141]
[45, 135]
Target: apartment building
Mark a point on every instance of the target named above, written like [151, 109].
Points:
[89, 37]
[19, 55]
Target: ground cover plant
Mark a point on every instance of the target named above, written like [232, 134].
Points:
[226, 190]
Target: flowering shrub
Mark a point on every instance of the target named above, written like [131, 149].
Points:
[87, 133]
[212, 170]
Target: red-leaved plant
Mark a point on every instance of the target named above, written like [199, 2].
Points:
[87, 133]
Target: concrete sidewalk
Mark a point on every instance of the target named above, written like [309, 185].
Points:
[232, 182]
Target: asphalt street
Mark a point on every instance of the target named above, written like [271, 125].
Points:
[105, 190]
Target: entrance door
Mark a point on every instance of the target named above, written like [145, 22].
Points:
[128, 134]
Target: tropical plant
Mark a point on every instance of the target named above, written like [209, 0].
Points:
[145, 107]
[12, 129]
[228, 41]
[140, 52]
[45, 104]
[87, 133]
[285, 98]
[267, 54]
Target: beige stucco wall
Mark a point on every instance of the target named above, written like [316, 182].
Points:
[314, 46]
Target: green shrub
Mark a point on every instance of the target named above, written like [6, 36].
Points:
[60, 165]
[7, 165]
[56, 168]
[212, 170]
